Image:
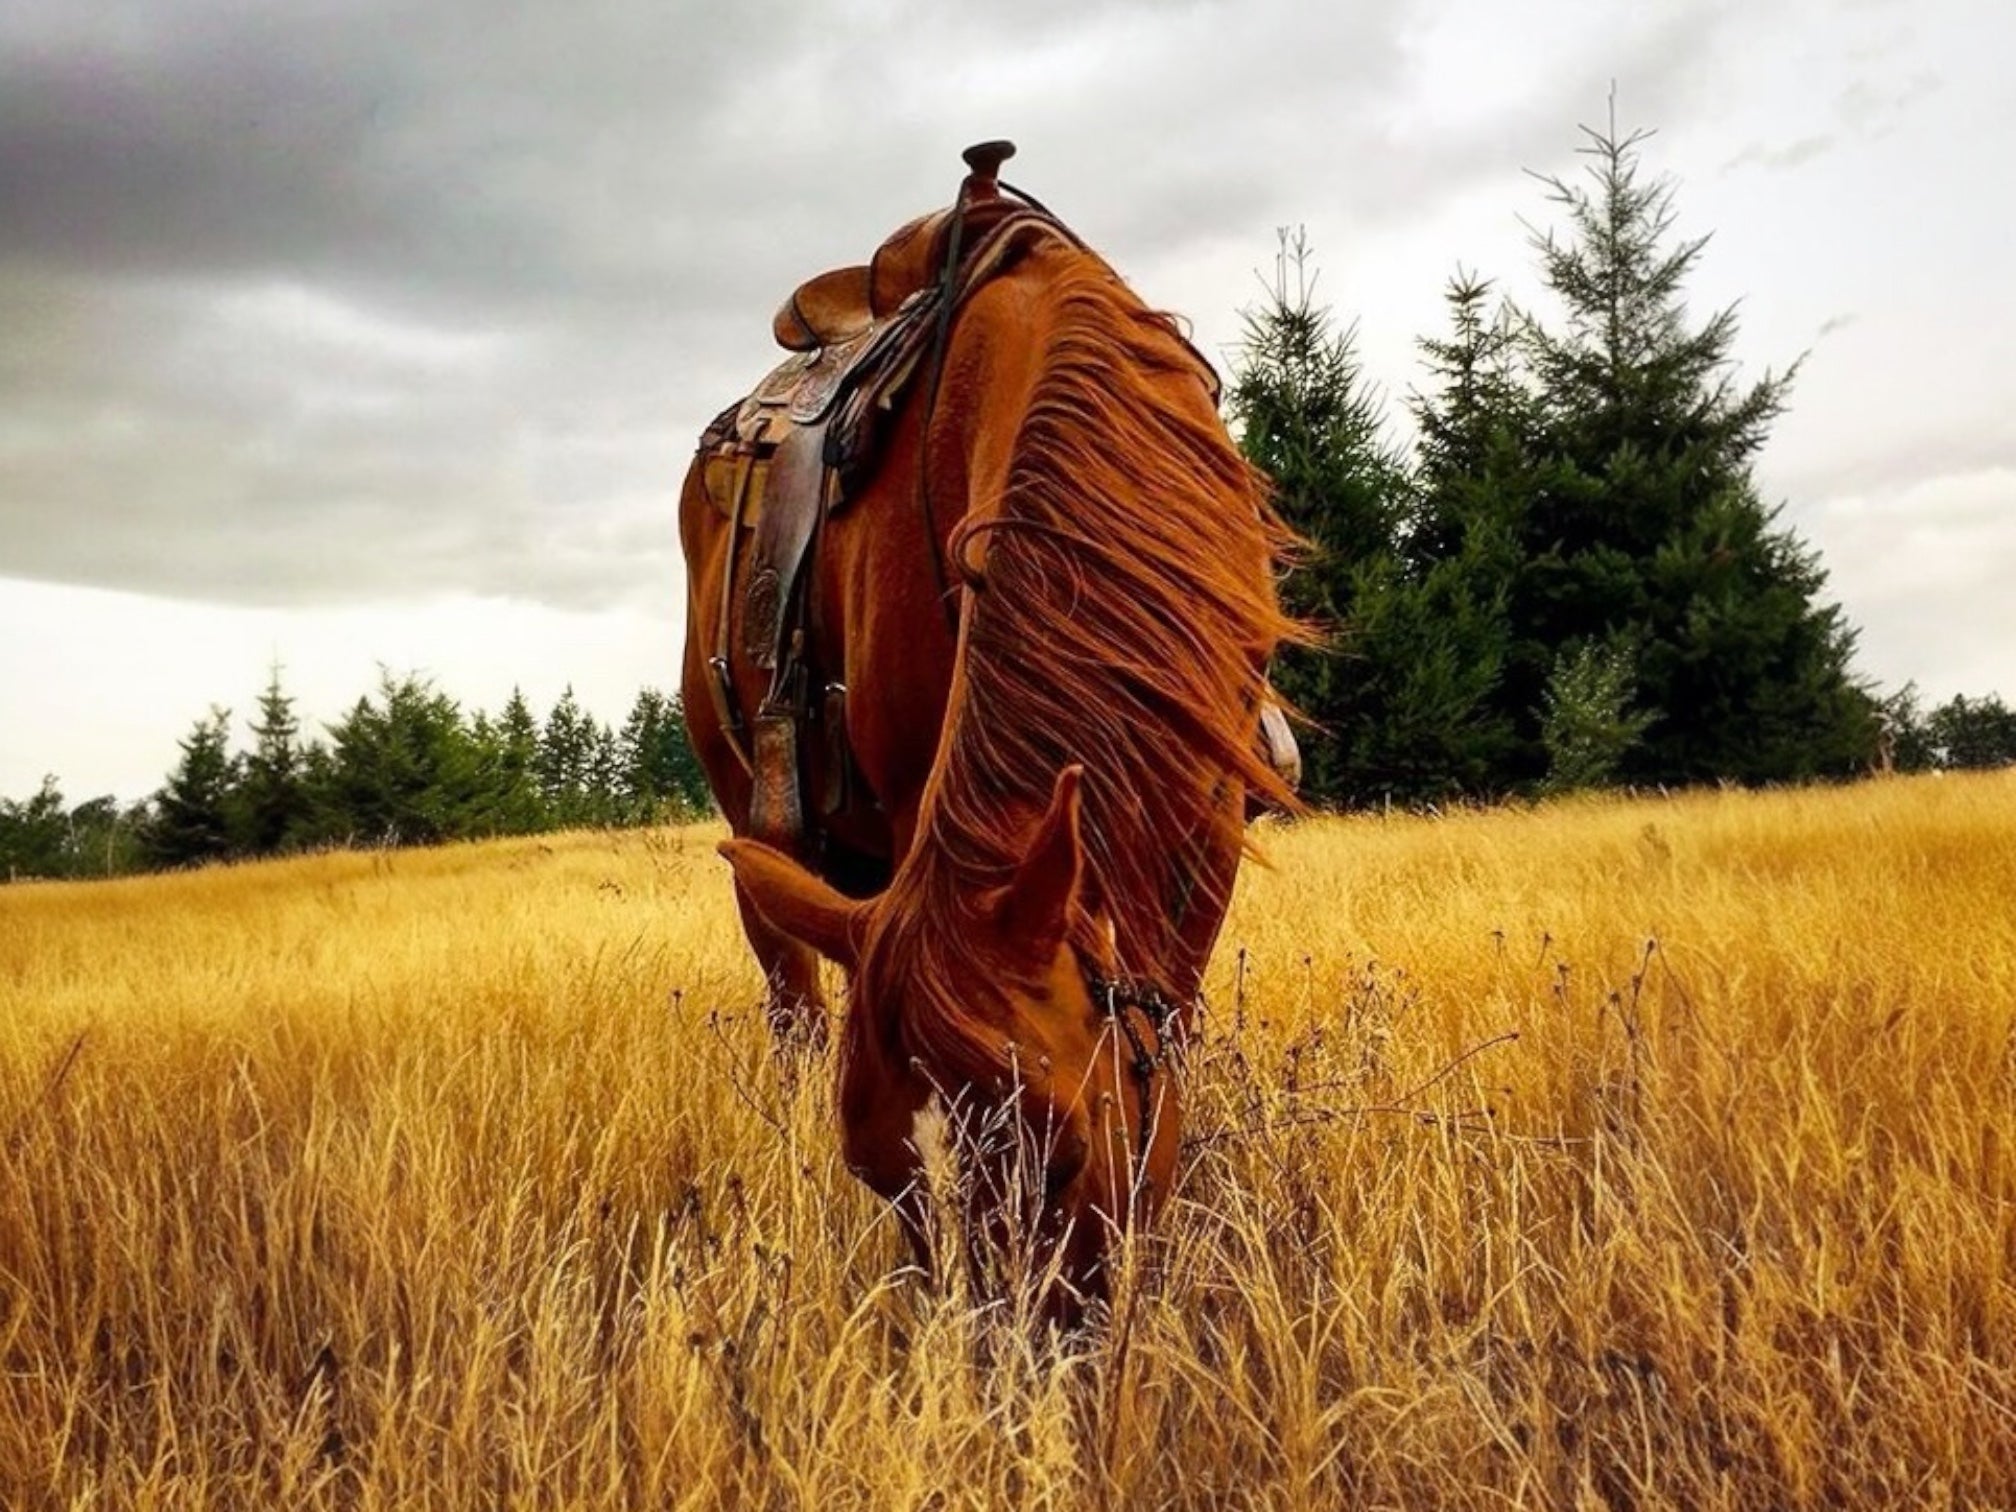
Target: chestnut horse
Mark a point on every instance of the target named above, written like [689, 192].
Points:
[1047, 788]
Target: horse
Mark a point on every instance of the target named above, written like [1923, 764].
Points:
[1022, 665]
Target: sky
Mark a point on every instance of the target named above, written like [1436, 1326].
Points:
[341, 335]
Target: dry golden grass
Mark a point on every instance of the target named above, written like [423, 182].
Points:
[463, 1178]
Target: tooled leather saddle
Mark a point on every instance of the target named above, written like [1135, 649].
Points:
[799, 447]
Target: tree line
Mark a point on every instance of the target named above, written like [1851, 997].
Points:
[1569, 578]
[404, 766]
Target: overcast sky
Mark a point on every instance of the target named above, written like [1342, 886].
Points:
[339, 333]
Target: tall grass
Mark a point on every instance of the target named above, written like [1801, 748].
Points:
[1613, 1154]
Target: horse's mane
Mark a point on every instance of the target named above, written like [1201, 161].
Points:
[1121, 617]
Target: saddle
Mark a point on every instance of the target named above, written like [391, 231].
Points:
[798, 448]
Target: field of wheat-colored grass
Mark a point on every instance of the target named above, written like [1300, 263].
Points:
[1635, 1154]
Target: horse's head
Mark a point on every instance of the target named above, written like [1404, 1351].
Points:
[1000, 1001]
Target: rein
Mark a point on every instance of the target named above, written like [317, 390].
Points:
[984, 159]
[1119, 1000]
[941, 335]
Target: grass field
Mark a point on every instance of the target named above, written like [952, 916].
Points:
[1640, 1154]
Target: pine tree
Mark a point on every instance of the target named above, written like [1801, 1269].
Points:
[191, 822]
[636, 749]
[1643, 524]
[1588, 722]
[662, 778]
[566, 754]
[681, 779]
[1473, 446]
[603, 790]
[405, 771]
[521, 804]
[272, 804]
[34, 834]
[326, 821]
[1306, 418]
[1403, 696]
[1972, 733]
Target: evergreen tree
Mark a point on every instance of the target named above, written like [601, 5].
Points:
[404, 771]
[1643, 520]
[521, 803]
[1401, 695]
[681, 780]
[33, 834]
[325, 821]
[1587, 721]
[191, 822]
[662, 778]
[636, 746]
[1427, 652]
[1306, 418]
[604, 787]
[1972, 733]
[1474, 432]
[272, 803]
[566, 753]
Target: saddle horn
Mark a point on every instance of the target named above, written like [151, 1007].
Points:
[985, 160]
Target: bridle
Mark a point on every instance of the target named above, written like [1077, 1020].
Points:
[1122, 1001]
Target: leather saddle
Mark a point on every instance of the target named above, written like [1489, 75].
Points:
[798, 448]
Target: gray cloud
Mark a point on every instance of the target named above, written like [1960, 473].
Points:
[326, 303]
[315, 304]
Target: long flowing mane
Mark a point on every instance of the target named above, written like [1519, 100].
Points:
[1121, 615]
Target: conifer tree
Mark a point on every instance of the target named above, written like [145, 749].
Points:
[272, 804]
[1401, 694]
[521, 804]
[566, 755]
[1643, 526]
[33, 834]
[604, 787]
[1473, 452]
[1306, 418]
[191, 822]
[681, 778]
[405, 770]
[661, 774]
[1972, 732]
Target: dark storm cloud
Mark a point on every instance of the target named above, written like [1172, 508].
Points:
[326, 301]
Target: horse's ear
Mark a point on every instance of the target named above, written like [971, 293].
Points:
[1036, 909]
[796, 902]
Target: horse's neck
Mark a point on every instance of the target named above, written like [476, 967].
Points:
[1122, 570]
